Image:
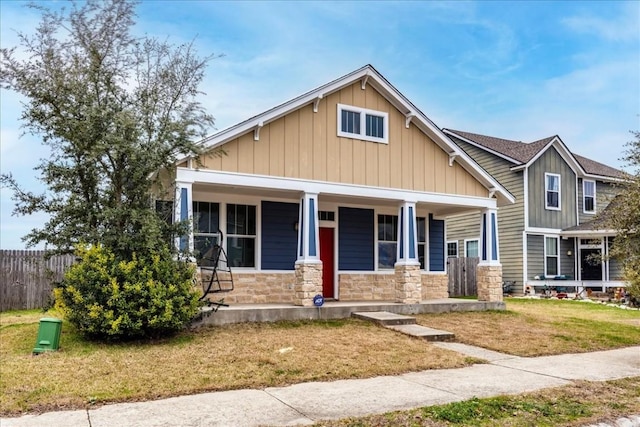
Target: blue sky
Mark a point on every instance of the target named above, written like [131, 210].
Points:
[516, 70]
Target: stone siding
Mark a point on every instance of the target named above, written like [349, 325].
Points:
[489, 279]
[367, 286]
[435, 286]
[259, 288]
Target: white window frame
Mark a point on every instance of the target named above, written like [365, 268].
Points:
[557, 256]
[453, 242]
[363, 129]
[548, 175]
[229, 236]
[213, 234]
[466, 243]
[584, 196]
[378, 241]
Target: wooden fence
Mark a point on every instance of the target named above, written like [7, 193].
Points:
[462, 276]
[27, 278]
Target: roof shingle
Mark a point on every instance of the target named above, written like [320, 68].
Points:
[523, 152]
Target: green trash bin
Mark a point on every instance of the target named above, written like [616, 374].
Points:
[48, 335]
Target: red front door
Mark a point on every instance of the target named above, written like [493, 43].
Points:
[326, 256]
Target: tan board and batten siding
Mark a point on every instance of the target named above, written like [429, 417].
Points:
[305, 145]
[511, 217]
[551, 162]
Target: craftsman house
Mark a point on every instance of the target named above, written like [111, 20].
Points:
[343, 191]
[552, 231]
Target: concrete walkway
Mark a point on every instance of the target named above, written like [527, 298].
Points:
[303, 404]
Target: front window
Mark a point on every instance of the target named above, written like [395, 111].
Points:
[206, 222]
[452, 249]
[589, 196]
[471, 248]
[387, 240]
[552, 191]
[551, 256]
[241, 235]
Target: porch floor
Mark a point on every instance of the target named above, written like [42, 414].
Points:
[239, 313]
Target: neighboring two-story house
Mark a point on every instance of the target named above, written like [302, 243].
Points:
[552, 230]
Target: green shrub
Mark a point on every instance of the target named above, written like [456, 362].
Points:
[116, 299]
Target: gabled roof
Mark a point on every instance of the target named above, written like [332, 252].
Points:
[366, 75]
[521, 153]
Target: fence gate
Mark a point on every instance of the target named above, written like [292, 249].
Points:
[462, 276]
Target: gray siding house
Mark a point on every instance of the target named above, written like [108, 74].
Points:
[552, 231]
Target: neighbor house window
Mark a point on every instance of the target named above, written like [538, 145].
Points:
[206, 222]
[241, 235]
[589, 196]
[551, 259]
[552, 191]
[471, 248]
[360, 123]
[387, 240]
[452, 249]
[422, 240]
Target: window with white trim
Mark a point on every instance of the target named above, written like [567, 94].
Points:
[421, 222]
[387, 240]
[589, 196]
[551, 256]
[206, 221]
[471, 248]
[361, 123]
[241, 235]
[452, 249]
[552, 191]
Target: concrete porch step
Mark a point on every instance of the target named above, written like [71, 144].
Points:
[428, 334]
[384, 318]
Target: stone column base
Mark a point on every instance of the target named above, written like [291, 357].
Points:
[489, 279]
[308, 282]
[408, 283]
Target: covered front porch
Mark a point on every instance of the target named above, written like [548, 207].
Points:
[289, 240]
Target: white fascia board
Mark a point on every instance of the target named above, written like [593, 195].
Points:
[602, 178]
[541, 230]
[388, 92]
[275, 113]
[482, 147]
[264, 182]
[564, 153]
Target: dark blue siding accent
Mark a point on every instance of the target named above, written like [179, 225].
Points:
[279, 238]
[412, 235]
[494, 238]
[312, 228]
[355, 239]
[184, 215]
[436, 244]
[401, 236]
[483, 241]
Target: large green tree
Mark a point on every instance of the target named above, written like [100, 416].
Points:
[114, 108]
[624, 216]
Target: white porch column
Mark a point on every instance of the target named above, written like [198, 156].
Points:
[489, 272]
[183, 211]
[407, 267]
[308, 266]
[308, 228]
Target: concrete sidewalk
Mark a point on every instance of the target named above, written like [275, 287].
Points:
[303, 404]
